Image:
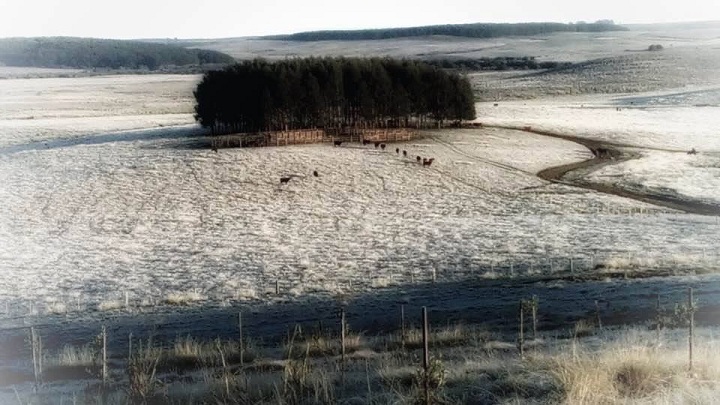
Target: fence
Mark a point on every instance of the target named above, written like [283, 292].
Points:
[310, 136]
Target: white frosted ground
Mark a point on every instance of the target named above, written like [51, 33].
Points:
[80, 226]
[677, 126]
[673, 121]
[52, 108]
[693, 176]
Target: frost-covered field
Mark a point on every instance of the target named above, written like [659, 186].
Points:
[84, 225]
[52, 108]
[663, 127]
[90, 218]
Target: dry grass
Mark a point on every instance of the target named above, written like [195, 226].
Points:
[631, 366]
[191, 353]
[183, 298]
[71, 356]
[325, 345]
[632, 370]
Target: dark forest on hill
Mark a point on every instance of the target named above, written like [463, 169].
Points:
[479, 30]
[85, 53]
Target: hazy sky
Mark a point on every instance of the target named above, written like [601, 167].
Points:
[230, 18]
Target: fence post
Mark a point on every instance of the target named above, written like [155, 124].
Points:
[277, 287]
[33, 344]
[534, 316]
[104, 355]
[691, 335]
[426, 356]
[657, 317]
[572, 266]
[342, 337]
[240, 331]
[597, 314]
[521, 337]
[402, 325]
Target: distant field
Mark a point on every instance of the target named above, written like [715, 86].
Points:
[52, 108]
[573, 47]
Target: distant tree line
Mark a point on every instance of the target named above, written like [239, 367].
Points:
[498, 63]
[337, 93]
[480, 30]
[102, 53]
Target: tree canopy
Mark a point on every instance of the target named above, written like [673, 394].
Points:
[102, 53]
[259, 95]
[479, 30]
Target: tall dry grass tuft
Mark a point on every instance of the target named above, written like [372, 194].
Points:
[632, 370]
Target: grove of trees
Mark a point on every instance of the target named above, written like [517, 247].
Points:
[497, 63]
[479, 30]
[102, 53]
[258, 95]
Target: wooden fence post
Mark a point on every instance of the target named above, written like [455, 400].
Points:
[521, 337]
[534, 316]
[597, 314]
[104, 355]
[342, 337]
[691, 335]
[240, 331]
[402, 325]
[426, 356]
[33, 344]
[657, 318]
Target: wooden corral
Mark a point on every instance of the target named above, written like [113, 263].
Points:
[301, 136]
[308, 136]
[388, 134]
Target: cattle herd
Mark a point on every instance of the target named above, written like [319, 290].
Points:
[426, 162]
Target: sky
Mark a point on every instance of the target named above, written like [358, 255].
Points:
[127, 19]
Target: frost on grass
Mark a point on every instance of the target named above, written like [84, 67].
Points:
[92, 222]
[663, 127]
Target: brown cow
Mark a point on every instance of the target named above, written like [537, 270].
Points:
[382, 146]
[419, 159]
[428, 162]
[365, 142]
[397, 150]
[337, 143]
[315, 173]
[377, 144]
[405, 153]
[285, 179]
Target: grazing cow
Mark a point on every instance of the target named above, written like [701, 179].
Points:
[405, 153]
[377, 144]
[315, 173]
[495, 105]
[365, 142]
[337, 143]
[214, 149]
[382, 146]
[285, 179]
[419, 159]
[428, 162]
[397, 150]
[692, 152]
